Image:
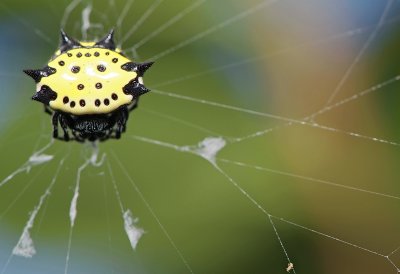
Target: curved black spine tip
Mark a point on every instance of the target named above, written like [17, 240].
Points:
[45, 95]
[37, 74]
[135, 89]
[68, 43]
[108, 41]
[140, 69]
[143, 67]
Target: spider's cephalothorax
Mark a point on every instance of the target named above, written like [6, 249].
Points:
[89, 88]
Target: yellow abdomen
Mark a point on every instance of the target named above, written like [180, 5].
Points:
[89, 81]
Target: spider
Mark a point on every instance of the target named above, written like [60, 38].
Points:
[89, 88]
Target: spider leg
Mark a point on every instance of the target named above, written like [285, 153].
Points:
[113, 136]
[55, 118]
[118, 131]
[106, 136]
[77, 137]
[64, 125]
[121, 119]
[124, 118]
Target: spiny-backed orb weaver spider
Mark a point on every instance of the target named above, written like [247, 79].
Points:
[89, 88]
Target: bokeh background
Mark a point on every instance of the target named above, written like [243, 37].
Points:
[285, 58]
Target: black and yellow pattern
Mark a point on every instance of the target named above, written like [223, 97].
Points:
[90, 82]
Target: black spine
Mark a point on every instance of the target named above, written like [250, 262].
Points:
[68, 43]
[45, 95]
[107, 42]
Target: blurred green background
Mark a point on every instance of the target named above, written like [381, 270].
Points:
[285, 58]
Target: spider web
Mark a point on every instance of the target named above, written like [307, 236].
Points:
[268, 143]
